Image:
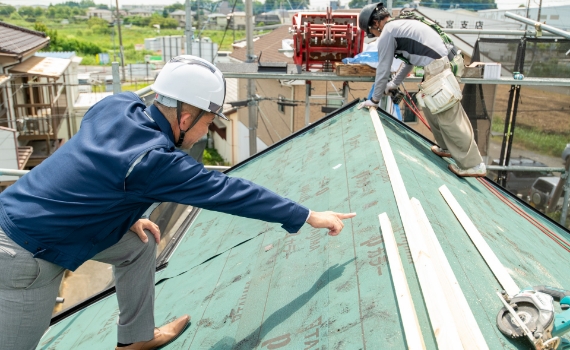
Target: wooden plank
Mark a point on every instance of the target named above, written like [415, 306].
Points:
[362, 70]
[414, 337]
[24, 153]
[469, 332]
[443, 326]
[488, 255]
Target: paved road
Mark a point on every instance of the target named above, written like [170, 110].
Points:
[495, 152]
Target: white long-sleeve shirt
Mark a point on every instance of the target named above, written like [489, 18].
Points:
[410, 38]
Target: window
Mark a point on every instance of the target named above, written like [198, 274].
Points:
[3, 109]
[543, 17]
[407, 115]
[334, 100]
[556, 17]
[543, 186]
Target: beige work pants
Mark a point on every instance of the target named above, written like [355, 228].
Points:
[451, 128]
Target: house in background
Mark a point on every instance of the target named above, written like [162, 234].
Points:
[237, 20]
[140, 13]
[180, 16]
[12, 156]
[17, 45]
[107, 15]
[217, 21]
[36, 92]
[556, 16]
[150, 8]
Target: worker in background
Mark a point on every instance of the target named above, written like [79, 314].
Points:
[418, 44]
[80, 203]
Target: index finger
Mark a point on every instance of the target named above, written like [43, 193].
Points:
[345, 216]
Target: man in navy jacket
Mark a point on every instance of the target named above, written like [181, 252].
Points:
[80, 203]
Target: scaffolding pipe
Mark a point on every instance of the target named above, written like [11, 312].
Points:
[144, 91]
[564, 213]
[12, 172]
[539, 26]
[526, 168]
[492, 32]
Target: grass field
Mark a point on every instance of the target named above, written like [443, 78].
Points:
[534, 139]
[131, 36]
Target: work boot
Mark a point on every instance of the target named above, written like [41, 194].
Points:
[476, 171]
[162, 336]
[440, 151]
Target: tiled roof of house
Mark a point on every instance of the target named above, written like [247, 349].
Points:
[269, 44]
[17, 40]
[248, 284]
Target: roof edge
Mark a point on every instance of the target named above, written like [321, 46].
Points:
[22, 29]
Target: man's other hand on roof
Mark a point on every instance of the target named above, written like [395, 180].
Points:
[145, 224]
[328, 219]
[368, 104]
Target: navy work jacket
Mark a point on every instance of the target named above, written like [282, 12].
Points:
[85, 197]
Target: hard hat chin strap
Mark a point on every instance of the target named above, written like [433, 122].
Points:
[183, 132]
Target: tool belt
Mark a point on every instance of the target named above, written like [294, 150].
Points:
[457, 65]
[440, 92]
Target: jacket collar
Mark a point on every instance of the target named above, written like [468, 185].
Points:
[161, 121]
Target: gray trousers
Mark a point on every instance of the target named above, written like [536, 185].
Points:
[29, 287]
[452, 129]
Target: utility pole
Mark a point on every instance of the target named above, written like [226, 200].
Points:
[120, 40]
[188, 29]
[250, 58]
[527, 12]
[539, 9]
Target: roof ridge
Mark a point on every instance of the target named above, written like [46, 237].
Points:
[22, 29]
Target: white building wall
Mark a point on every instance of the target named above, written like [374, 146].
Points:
[242, 145]
[556, 16]
[8, 153]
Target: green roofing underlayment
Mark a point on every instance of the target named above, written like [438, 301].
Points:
[248, 284]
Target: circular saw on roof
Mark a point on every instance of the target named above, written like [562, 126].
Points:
[531, 314]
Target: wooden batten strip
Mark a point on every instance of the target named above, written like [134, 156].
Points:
[414, 337]
[442, 322]
[486, 252]
[470, 334]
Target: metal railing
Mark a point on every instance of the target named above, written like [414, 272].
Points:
[538, 25]
[20, 173]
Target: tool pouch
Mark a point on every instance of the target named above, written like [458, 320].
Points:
[457, 65]
[440, 92]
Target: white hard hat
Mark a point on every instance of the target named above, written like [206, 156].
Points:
[191, 80]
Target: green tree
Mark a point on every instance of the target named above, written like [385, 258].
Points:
[174, 7]
[38, 12]
[6, 10]
[86, 3]
[96, 21]
[287, 5]
[69, 4]
[50, 13]
[357, 4]
[26, 11]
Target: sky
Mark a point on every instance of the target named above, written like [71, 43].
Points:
[501, 4]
